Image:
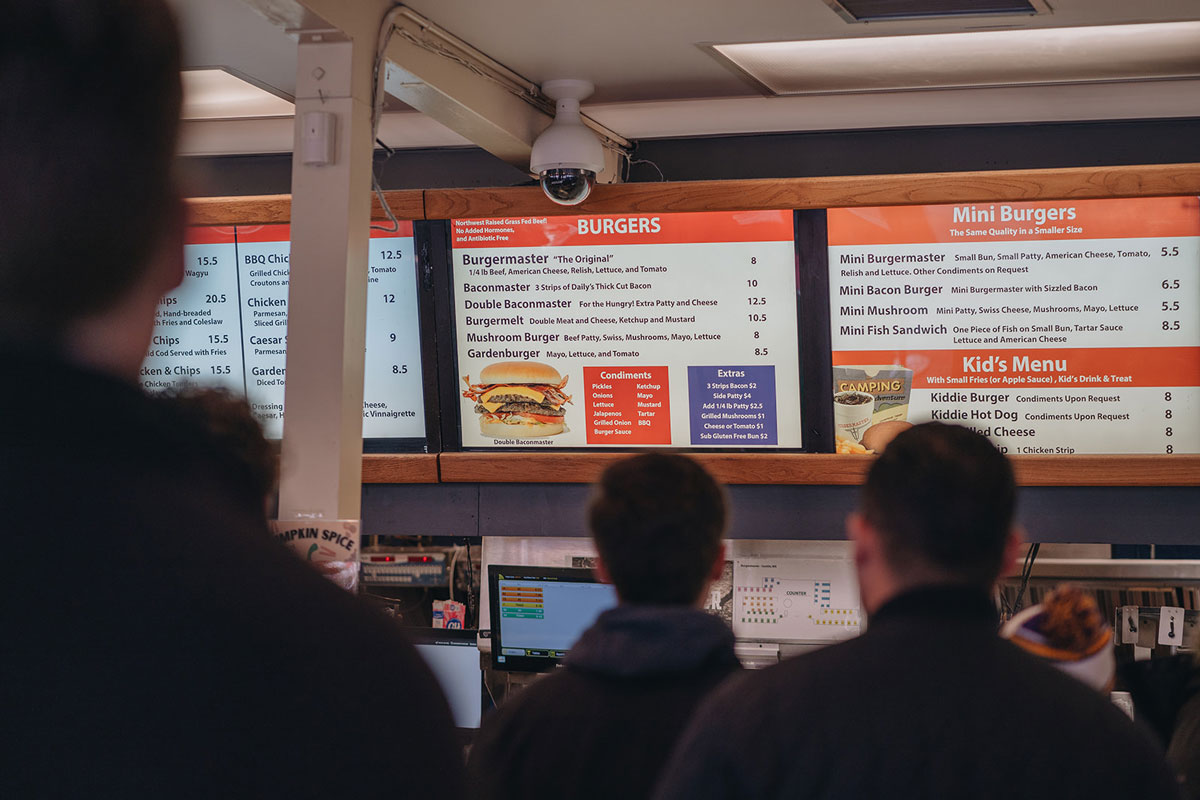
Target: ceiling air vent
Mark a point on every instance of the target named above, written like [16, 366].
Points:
[879, 10]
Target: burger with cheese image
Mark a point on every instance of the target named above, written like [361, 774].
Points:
[519, 400]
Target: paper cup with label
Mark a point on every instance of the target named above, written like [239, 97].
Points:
[330, 546]
[852, 412]
[889, 384]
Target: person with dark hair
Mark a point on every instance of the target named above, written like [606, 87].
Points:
[929, 702]
[603, 726]
[230, 424]
[157, 642]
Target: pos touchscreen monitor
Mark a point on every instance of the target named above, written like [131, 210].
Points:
[538, 613]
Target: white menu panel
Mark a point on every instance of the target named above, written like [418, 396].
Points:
[226, 325]
[1051, 327]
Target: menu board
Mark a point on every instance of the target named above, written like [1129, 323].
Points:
[226, 325]
[1051, 327]
[628, 331]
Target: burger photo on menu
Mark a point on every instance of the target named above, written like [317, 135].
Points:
[519, 399]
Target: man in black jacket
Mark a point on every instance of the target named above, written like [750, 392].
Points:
[603, 726]
[929, 702]
[156, 641]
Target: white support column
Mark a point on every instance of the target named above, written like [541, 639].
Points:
[331, 204]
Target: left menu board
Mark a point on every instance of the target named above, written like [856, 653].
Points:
[226, 325]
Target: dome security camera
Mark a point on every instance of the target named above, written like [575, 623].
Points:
[567, 155]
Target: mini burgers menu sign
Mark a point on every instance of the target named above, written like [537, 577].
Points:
[1051, 327]
[628, 331]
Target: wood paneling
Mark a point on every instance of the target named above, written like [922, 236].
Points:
[403, 468]
[816, 469]
[829, 192]
[260, 210]
[277, 208]
[1176, 470]
[406, 204]
[832, 192]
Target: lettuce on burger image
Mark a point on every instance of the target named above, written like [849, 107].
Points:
[518, 399]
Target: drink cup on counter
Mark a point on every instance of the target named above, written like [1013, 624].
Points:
[852, 412]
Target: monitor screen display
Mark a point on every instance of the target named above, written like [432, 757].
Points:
[226, 325]
[643, 330]
[454, 658]
[538, 613]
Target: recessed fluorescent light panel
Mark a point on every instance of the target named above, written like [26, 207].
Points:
[881, 10]
[1019, 57]
[217, 93]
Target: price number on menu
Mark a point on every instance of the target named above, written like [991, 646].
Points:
[757, 301]
[1171, 306]
[218, 338]
[214, 298]
[1168, 415]
[399, 369]
[206, 261]
[390, 255]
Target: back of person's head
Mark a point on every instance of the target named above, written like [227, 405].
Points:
[90, 92]
[232, 429]
[942, 499]
[657, 520]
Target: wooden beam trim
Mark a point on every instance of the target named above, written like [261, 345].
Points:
[732, 195]
[277, 208]
[404, 468]
[816, 469]
[827, 192]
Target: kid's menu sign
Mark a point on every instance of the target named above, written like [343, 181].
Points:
[1051, 327]
[226, 325]
[623, 331]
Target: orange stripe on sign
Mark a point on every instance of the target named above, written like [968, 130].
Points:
[1130, 218]
[208, 234]
[1099, 367]
[283, 233]
[605, 229]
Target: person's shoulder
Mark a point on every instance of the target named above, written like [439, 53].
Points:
[768, 684]
[1050, 697]
[546, 696]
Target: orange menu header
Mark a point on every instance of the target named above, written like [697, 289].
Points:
[1129, 218]
[607, 229]
[1034, 368]
[223, 234]
[208, 234]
